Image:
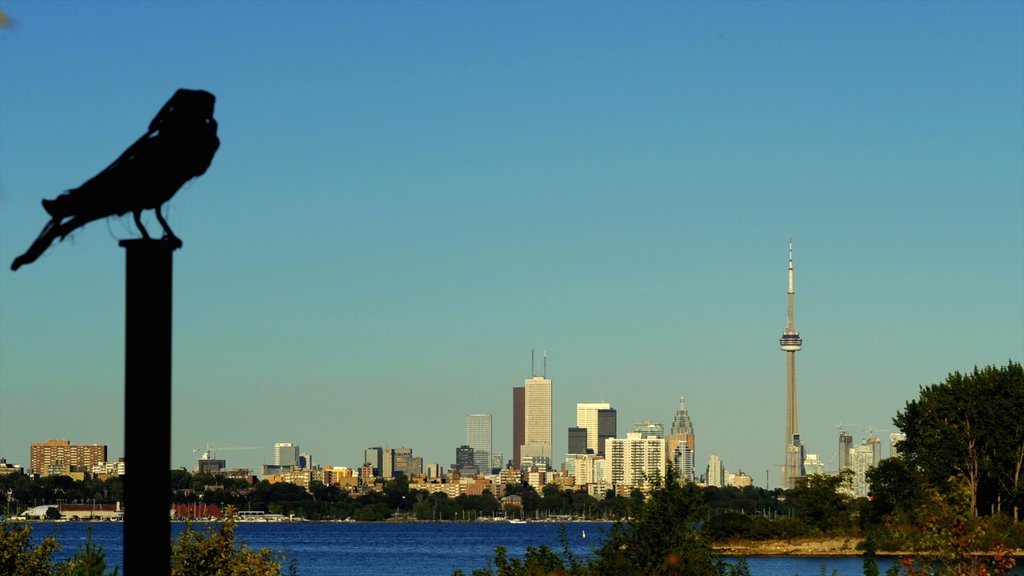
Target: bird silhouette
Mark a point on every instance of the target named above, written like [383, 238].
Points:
[178, 146]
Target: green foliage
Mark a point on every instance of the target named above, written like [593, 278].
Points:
[957, 431]
[821, 502]
[19, 558]
[216, 553]
[950, 539]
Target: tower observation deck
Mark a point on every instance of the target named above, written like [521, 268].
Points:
[791, 343]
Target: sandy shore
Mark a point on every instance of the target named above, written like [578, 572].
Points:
[841, 546]
[838, 546]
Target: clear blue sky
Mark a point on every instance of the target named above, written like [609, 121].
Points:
[410, 197]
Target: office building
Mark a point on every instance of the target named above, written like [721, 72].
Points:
[518, 423]
[578, 440]
[286, 455]
[537, 430]
[375, 458]
[478, 436]
[607, 427]
[587, 418]
[680, 444]
[61, 457]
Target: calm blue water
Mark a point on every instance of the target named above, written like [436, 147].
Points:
[385, 549]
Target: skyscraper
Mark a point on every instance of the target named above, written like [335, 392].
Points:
[607, 427]
[478, 436]
[680, 444]
[862, 459]
[586, 417]
[716, 471]
[286, 454]
[791, 343]
[537, 429]
[845, 444]
[518, 423]
[577, 440]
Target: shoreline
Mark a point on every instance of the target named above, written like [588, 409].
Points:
[811, 547]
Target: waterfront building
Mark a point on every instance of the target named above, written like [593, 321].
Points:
[587, 418]
[61, 457]
[536, 477]
[791, 343]
[634, 460]
[478, 437]
[716, 471]
[680, 444]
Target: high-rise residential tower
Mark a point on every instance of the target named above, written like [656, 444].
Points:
[680, 444]
[478, 436]
[845, 444]
[586, 417]
[792, 467]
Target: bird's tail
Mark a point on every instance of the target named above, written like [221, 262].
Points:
[50, 232]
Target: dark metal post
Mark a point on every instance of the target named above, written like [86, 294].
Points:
[147, 406]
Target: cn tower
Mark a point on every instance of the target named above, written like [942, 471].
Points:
[791, 344]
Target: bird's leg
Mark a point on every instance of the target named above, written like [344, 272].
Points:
[168, 234]
[138, 222]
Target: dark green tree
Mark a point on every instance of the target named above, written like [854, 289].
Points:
[819, 501]
[969, 428]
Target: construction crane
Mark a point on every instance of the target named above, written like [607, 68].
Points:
[209, 450]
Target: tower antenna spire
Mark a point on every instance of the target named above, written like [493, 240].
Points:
[791, 344]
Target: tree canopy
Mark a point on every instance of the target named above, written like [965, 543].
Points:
[970, 428]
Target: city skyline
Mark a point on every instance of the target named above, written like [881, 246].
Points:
[409, 197]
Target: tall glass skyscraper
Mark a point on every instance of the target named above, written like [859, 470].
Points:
[478, 437]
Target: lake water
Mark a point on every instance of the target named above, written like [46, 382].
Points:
[428, 549]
